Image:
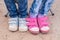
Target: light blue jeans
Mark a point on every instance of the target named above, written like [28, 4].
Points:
[40, 7]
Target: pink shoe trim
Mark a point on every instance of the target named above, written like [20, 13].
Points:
[32, 22]
[43, 21]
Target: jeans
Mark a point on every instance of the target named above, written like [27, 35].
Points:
[38, 7]
[15, 11]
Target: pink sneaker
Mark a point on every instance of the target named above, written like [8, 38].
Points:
[43, 24]
[32, 25]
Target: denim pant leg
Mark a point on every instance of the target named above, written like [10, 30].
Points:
[10, 4]
[35, 8]
[22, 8]
[46, 4]
[41, 10]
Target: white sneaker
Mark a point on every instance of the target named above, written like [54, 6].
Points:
[13, 24]
[23, 24]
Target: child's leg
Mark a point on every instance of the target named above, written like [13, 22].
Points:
[13, 20]
[33, 26]
[43, 18]
[22, 9]
[41, 10]
[35, 8]
[46, 4]
[10, 4]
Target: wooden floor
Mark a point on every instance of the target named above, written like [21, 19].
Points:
[54, 33]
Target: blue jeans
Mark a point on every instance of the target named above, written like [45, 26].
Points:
[13, 11]
[40, 7]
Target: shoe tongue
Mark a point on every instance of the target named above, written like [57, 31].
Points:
[22, 20]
